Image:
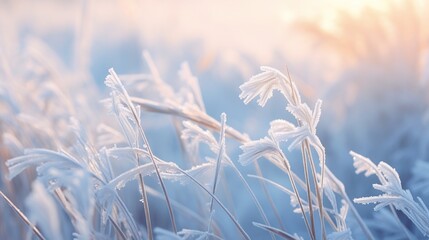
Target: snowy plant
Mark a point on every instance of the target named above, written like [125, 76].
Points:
[301, 136]
[393, 193]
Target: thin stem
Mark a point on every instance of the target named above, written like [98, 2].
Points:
[118, 229]
[308, 190]
[287, 191]
[319, 189]
[295, 190]
[270, 199]
[146, 207]
[219, 157]
[121, 206]
[276, 231]
[178, 205]
[23, 217]
[255, 200]
[241, 230]
[357, 216]
[142, 186]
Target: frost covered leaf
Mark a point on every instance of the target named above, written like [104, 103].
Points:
[280, 126]
[305, 115]
[203, 173]
[144, 170]
[169, 170]
[317, 111]
[254, 150]
[392, 184]
[263, 85]
[363, 164]
[301, 112]
[61, 171]
[36, 157]
[285, 131]
[382, 200]
[282, 130]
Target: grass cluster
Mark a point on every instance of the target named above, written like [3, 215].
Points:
[99, 178]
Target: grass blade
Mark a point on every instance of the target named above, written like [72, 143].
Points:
[219, 157]
[22, 216]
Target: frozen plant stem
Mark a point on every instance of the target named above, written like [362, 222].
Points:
[170, 210]
[359, 219]
[146, 206]
[117, 228]
[241, 230]
[319, 189]
[270, 199]
[308, 190]
[123, 209]
[142, 191]
[219, 157]
[151, 156]
[283, 189]
[23, 217]
[306, 152]
[295, 190]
